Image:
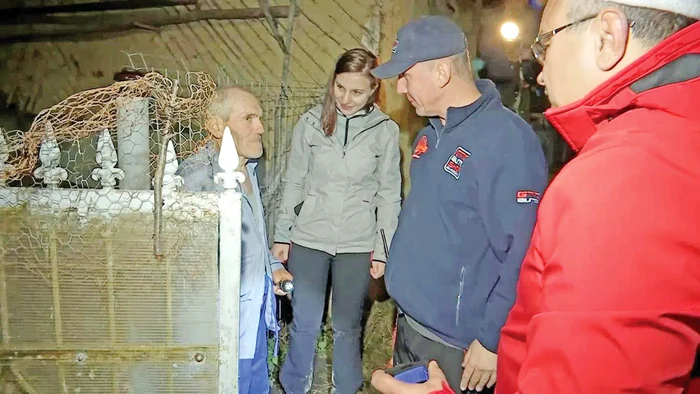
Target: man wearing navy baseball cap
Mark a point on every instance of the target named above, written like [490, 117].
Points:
[477, 174]
[609, 294]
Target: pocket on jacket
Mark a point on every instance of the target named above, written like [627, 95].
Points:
[306, 212]
[297, 208]
[370, 207]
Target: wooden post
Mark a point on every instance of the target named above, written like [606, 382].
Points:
[396, 14]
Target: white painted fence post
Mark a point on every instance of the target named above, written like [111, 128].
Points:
[229, 265]
[133, 138]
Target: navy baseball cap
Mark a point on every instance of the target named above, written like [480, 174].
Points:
[427, 38]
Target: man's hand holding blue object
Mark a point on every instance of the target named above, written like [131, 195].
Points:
[385, 383]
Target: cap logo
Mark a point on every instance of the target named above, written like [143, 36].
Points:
[396, 44]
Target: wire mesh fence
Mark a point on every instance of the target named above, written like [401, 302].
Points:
[282, 106]
[108, 267]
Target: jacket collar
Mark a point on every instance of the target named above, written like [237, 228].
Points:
[363, 120]
[668, 70]
[456, 115]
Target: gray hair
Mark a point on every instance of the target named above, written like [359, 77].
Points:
[651, 26]
[222, 103]
[462, 65]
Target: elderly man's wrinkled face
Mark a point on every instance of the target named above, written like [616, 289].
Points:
[246, 125]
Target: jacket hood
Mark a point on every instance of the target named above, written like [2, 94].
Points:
[668, 70]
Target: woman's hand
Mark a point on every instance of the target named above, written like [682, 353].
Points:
[377, 269]
[281, 251]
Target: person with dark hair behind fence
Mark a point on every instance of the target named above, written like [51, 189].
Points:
[261, 273]
[342, 192]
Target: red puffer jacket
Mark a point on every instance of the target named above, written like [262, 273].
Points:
[609, 293]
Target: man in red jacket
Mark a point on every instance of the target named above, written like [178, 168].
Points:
[609, 292]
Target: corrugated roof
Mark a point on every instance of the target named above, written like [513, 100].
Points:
[39, 74]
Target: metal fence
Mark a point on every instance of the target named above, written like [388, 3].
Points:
[109, 277]
[282, 107]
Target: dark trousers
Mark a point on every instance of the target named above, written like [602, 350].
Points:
[350, 281]
[411, 346]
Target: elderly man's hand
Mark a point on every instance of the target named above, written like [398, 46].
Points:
[479, 368]
[277, 277]
[436, 384]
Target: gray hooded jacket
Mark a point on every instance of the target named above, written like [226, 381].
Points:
[341, 191]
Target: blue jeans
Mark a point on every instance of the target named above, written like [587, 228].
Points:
[253, 377]
[350, 283]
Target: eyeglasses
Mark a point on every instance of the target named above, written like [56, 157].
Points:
[542, 41]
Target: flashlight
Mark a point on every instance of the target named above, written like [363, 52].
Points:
[286, 285]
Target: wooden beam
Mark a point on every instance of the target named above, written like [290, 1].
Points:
[62, 27]
[16, 7]
[154, 18]
[274, 26]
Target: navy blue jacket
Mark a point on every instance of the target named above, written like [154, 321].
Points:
[466, 224]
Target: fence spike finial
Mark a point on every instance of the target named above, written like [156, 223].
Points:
[50, 157]
[107, 174]
[229, 162]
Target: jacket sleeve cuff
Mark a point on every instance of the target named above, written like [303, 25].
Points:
[488, 337]
[379, 261]
[446, 389]
[276, 266]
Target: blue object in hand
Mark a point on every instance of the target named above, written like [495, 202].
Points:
[416, 372]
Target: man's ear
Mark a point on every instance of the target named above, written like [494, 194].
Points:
[612, 29]
[443, 70]
[215, 126]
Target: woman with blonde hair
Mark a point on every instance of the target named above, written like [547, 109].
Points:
[339, 210]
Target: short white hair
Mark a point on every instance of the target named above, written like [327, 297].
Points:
[222, 103]
[651, 25]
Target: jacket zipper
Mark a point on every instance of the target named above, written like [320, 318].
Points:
[347, 131]
[459, 295]
[360, 133]
[369, 128]
[438, 135]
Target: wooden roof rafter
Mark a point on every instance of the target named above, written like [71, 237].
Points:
[27, 26]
